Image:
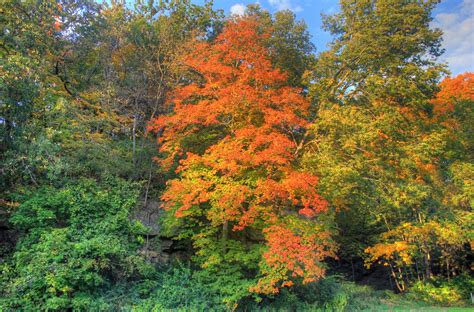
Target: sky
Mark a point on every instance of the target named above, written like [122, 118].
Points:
[454, 17]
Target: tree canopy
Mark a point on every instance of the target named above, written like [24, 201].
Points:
[160, 155]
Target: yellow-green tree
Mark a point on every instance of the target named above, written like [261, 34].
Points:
[373, 143]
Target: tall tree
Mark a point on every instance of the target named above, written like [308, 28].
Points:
[371, 91]
[290, 46]
[448, 233]
[234, 139]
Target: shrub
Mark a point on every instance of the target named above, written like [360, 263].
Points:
[452, 292]
[75, 240]
[332, 293]
[176, 288]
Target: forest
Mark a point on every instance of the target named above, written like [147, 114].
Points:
[166, 156]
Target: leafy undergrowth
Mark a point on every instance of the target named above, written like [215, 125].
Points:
[78, 251]
[453, 292]
[181, 289]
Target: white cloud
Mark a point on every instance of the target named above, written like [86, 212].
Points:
[237, 9]
[458, 37]
[285, 5]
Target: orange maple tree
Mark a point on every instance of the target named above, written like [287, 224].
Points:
[452, 90]
[234, 138]
[453, 103]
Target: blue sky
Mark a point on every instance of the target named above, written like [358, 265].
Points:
[454, 17]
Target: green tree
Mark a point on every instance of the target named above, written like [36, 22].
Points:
[372, 144]
[290, 46]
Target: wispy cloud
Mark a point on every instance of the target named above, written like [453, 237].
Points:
[237, 9]
[285, 5]
[458, 28]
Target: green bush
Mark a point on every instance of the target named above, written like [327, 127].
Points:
[332, 293]
[178, 289]
[75, 240]
[452, 292]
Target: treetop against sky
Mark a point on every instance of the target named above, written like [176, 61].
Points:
[454, 17]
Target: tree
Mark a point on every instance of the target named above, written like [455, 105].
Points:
[79, 82]
[453, 92]
[405, 247]
[234, 139]
[444, 235]
[454, 114]
[383, 49]
[374, 147]
[290, 46]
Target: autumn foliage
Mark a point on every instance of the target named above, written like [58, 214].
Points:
[234, 138]
[429, 243]
[453, 90]
[165, 155]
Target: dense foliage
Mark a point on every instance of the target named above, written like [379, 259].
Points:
[237, 185]
[158, 155]
[74, 240]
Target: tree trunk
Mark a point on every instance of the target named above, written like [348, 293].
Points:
[427, 266]
[225, 230]
[134, 142]
[399, 285]
[353, 270]
[447, 268]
